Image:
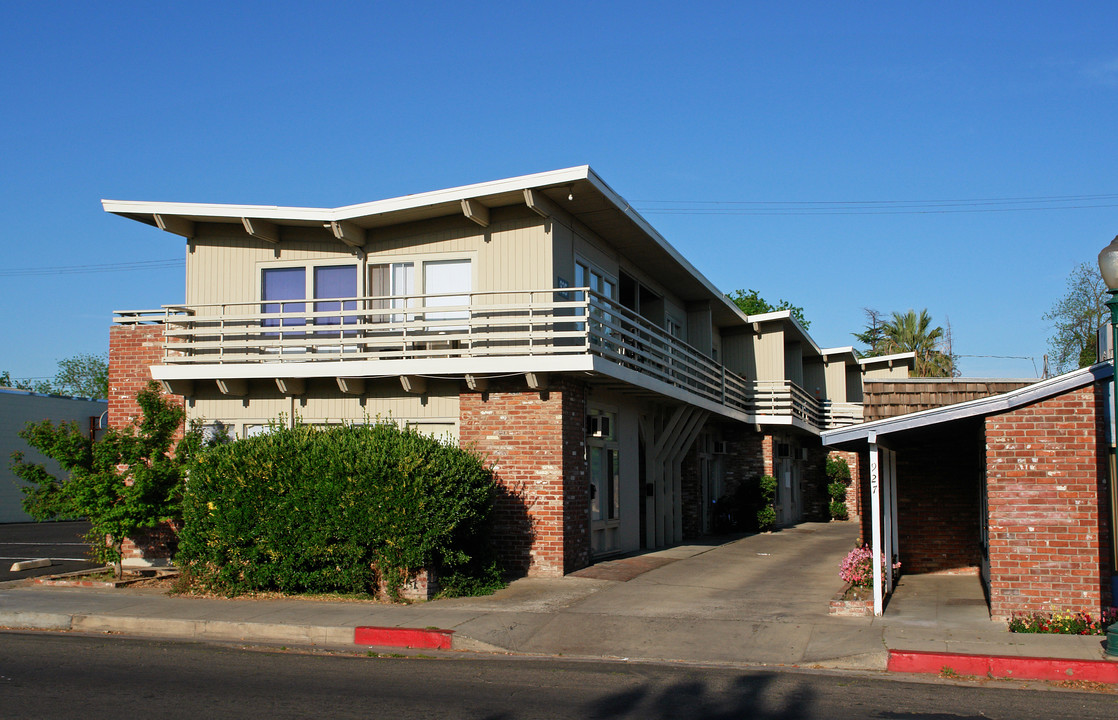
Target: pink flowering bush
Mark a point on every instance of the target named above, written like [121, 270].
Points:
[857, 567]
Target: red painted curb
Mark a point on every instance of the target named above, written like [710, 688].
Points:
[1003, 666]
[403, 637]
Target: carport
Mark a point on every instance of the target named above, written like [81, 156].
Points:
[1029, 463]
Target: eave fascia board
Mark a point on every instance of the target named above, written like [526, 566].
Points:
[972, 408]
[894, 358]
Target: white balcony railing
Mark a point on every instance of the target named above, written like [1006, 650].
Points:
[567, 321]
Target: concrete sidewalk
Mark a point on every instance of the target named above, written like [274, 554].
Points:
[761, 599]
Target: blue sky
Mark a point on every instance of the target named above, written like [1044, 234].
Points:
[791, 105]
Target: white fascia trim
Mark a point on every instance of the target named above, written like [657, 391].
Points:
[886, 358]
[972, 408]
[374, 368]
[349, 212]
[464, 192]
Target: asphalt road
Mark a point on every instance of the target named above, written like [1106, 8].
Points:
[60, 541]
[45, 675]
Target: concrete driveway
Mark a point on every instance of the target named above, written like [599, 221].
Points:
[761, 598]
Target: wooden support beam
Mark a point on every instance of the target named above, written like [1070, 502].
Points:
[178, 387]
[175, 224]
[352, 386]
[414, 384]
[292, 386]
[537, 381]
[349, 233]
[237, 387]
[477, 384]
[536, 201]
[476, 212]
[261, 229]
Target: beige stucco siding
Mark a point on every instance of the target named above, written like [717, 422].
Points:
[835, 381]
[513, 253]
[324, 403]
[815, 378]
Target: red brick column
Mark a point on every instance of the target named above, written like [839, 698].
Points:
[853, 496]
[1049, 542]
[133, 349]
[536, 443]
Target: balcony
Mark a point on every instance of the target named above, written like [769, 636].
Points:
[571, 329]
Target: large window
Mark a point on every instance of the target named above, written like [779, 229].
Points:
[284, 292]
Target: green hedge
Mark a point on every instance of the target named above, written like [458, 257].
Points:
[328, 510]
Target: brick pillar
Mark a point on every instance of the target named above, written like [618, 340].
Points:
[536, 443]
[1049, 518]
[133, 349]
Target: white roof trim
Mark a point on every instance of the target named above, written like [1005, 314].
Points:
[349, 212]
[972, 408]
[887, 358]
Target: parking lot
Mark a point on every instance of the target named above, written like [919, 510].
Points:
[60, 541]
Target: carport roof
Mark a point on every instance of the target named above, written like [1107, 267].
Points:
[868, 432]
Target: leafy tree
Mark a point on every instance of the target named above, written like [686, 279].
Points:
[909, 332]
[127, 481]
[1076, 318]
[873, 337]
[81, 375]
[751, 303]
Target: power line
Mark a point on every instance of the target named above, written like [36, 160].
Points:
[87, 269]
[878, 207]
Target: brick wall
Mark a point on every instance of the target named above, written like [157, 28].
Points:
[938, 496]
[133, 349]
[1046, 470]
[536, 442]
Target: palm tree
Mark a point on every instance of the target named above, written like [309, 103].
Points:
[913, 333]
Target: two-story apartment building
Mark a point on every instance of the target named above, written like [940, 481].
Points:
[539, 319]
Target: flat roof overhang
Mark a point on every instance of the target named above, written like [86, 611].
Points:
[855, 436]
[578, 191]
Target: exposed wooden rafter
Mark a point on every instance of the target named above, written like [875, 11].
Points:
[352, 386]
[292, 386]
[477, 384]
[237, 387]
[175, 224]
[536, 201]
[350, 234]
[413, 384]
[476, 211]
[261, 229]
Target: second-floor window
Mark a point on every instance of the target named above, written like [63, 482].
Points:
[285, 290]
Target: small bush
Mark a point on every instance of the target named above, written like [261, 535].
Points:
[838, 469]
[1079, 623]
[766, 516]
[334, 510]
[857, 567]
[838, 472]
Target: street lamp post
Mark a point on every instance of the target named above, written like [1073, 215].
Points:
[1108, 265]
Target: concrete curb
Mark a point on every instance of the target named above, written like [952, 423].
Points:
[1003, 666]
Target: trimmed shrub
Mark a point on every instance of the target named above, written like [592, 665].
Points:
[838, 472]
[766, 516]
[334, 510]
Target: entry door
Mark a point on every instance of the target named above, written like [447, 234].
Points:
[789, 510]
